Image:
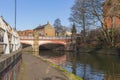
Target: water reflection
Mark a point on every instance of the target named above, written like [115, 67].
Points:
[89, 67]
[55, 57]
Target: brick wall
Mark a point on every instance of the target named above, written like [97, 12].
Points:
[111, 8]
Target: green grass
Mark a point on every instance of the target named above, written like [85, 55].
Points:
[70, 76]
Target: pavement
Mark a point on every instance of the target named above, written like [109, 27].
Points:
[34, 68]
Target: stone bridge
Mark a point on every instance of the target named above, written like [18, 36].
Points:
[44, 40]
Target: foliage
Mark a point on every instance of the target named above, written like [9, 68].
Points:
[73, 30]
[109, 10]
[82, 15]
[91, 12]
[59, 28]
[95, 39]
[57, 24]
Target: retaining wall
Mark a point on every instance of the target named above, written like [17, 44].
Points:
[10, 65]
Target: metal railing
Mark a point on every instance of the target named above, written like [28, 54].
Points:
[55, 38]
[45, 38]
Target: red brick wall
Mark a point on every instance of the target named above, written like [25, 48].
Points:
[108, 11]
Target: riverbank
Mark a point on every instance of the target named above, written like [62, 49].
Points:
[104, 51]
[94, 50]
[37, 68]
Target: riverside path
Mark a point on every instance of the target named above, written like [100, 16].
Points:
[34, 68]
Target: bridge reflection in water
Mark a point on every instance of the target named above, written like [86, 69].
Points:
[55, 57]
[51, 46]
[89, 67]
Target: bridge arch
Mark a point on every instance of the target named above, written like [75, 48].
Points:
[29, 42]
[52, 42]
[51, 45]
[24, 45]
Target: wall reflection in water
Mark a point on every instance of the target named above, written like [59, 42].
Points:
[89, 67]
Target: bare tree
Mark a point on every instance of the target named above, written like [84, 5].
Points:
[105, 12]
[59, 28]
[100, 12]
[57, 24]
[81, 15]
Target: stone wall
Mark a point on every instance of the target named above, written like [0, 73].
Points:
[10, 65]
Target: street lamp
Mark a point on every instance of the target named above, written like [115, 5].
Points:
[15, 16]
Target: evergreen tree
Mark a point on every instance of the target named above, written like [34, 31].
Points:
[73, 30]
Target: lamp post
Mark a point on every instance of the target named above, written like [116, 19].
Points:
[15, 15]
[14, 68]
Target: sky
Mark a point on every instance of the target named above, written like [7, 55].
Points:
[31, 13]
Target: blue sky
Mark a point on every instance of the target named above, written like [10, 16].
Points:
[31, 13]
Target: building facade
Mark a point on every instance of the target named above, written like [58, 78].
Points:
[45, 30]
[26, 33]
[111, 13]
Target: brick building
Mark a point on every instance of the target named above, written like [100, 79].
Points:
[46, 30]
[25, 33]
[111, 12]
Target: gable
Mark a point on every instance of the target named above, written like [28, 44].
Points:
[48, 26]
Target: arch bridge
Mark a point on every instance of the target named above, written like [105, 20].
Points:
[44, 40]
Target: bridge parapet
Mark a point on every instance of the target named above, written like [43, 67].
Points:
[45, 38]
[51, 38]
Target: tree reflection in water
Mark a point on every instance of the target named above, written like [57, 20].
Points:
[89, 67]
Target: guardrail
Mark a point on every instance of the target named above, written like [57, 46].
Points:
[55, 37]
[45, 38]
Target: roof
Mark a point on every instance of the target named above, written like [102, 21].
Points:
[6, 24]
[4, 20]
[26, 31]
[42, 26]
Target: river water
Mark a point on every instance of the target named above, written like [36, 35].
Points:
[86, 66]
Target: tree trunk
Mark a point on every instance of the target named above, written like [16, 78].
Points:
[84, 30]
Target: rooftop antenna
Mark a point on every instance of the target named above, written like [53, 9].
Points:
[15, 15]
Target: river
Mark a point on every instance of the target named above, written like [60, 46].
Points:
[86, 66]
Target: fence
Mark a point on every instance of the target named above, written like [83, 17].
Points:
[45, 38]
